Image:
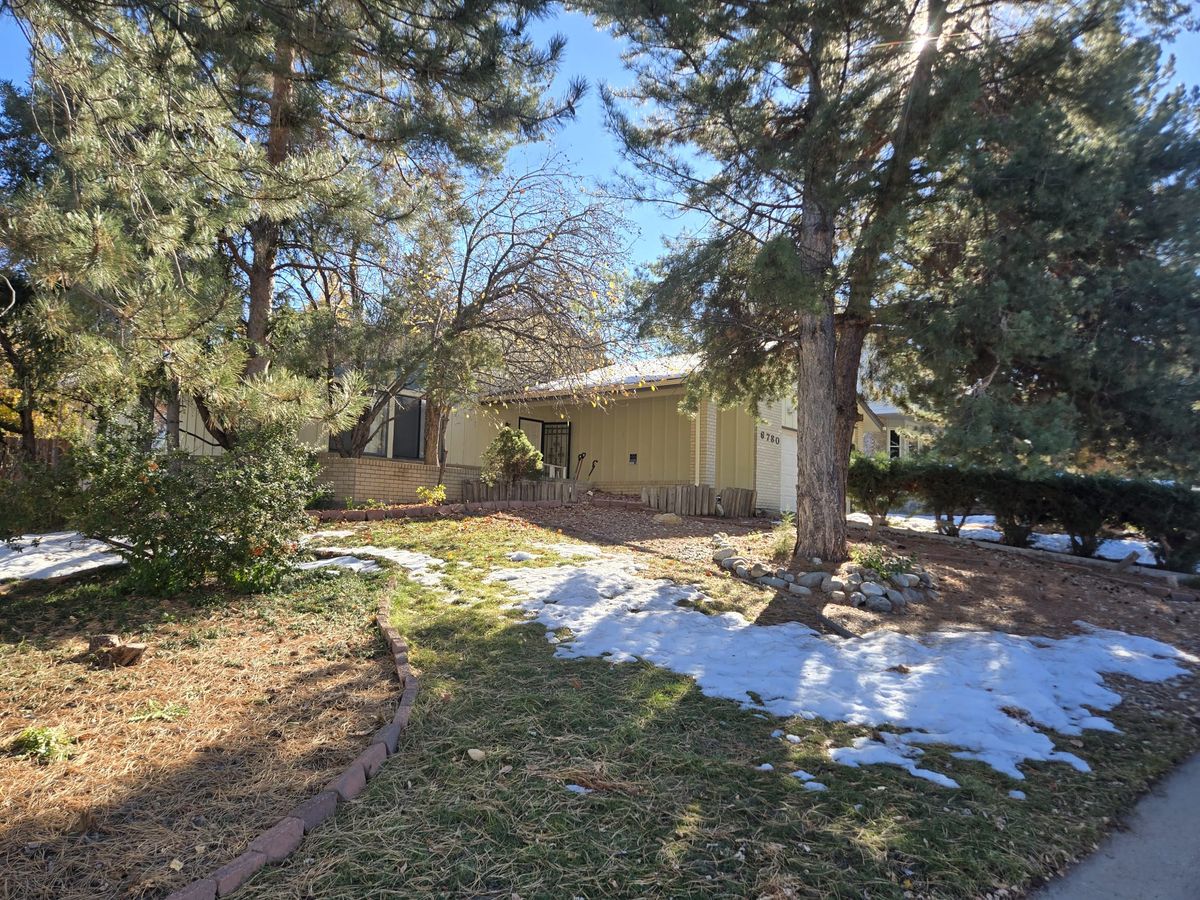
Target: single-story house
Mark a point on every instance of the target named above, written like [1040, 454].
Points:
[897, 435]
[615, 429]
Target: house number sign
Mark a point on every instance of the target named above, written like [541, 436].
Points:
[769, 438]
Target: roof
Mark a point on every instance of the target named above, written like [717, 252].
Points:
[657, 371]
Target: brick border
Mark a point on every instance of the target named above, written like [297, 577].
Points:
[430, 512]
[282, 838]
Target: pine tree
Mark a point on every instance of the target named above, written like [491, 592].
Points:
[209, 150]
[806, 133]
[1047, 308]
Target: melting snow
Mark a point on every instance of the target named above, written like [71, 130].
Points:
[991, 695]
[983, 528]
[521, 556]
[353, 563]
[578, 789]
[421, 567]
[331, 533]
[56, 554]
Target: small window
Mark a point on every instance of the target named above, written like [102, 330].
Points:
[633, 459]
[894, 444]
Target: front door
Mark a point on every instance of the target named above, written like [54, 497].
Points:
[556, 445]
[533, 431]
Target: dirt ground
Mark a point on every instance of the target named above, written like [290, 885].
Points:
[272, 698]
[981, 587]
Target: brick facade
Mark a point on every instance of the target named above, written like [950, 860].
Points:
[387, 480]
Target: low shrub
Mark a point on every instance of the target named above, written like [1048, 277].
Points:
[180, 520]
[35, 497]
[877, 484]
[1169, 516]
[434, 496]
[879, 559]
[43, 743]
[783, 538]
[949, 492]
[1018, 503]
[1083, 505]
[510, 457]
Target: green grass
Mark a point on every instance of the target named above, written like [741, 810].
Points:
[677, 807]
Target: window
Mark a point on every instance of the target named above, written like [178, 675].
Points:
[633, 459]
[408, 422]
[398, 431]
[894, 444]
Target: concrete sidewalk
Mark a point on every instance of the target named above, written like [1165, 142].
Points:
[1157, 856]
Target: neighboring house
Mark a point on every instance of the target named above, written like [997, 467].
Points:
[625, 421]
[896, 436]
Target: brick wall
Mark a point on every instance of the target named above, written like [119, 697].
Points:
[387, 480]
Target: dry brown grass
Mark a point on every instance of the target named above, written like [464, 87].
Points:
[280, 693]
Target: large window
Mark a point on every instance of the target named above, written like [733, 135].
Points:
[398, 432]
[894, 444]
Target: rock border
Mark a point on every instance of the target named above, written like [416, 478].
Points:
[284, 837]
[429, 512]
[856, 585]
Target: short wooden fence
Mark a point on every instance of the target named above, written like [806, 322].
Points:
[560, 491]
[700, 500]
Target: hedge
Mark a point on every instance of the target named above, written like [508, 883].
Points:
[1085, 507]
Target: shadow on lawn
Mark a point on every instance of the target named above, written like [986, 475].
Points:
[677, 807]
[150, 824]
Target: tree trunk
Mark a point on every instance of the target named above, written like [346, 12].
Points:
[28, 432]
[851, 333]
[264, 233]
[820, 497]
[433, 432]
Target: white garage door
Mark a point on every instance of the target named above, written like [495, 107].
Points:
[787, 473]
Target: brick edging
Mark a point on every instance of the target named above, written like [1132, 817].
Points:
[284, 837]
[426, 512]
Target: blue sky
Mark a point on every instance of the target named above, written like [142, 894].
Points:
[584, 143]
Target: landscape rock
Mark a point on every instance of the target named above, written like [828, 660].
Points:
[723, 553]
[896, 599]
[811, 579]
[668, 519]
[878, 604]
[837, 596]
[741, 571]
[871, 589]
[799, 589]
[857, 599]
[829, 585]
[758, 570]
[773, 582]
[733, 562]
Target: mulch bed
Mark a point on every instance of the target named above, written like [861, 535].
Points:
[280, 694]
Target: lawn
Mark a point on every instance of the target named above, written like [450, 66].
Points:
[624, 780]
[243, 707]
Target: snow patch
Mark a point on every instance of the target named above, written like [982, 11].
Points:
[330, 533]
[422, 568]
[991, 695]
[521, 556]
[352, 563]
[578, 789]
[54, 555]
[1017, 795]
[814, 786]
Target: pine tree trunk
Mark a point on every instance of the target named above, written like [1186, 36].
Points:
[28, 432]
[820, 497]
[264, 233]
[851, 333]
[433, 432]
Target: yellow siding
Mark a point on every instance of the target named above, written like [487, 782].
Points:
[736, 437]
[649, 425]
[468, 432]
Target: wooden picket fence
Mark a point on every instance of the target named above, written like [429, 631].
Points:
[560, 491]
[700, 500]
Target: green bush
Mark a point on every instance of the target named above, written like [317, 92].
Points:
[34, 498]
[1019, 504]
[877, 484]
[434, 496]
[509, 457]
[1083, 505]
[1169, 515]
[180, 520]
[43, 743]
[949, 492]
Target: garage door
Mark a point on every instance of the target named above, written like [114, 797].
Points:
[787, 473]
